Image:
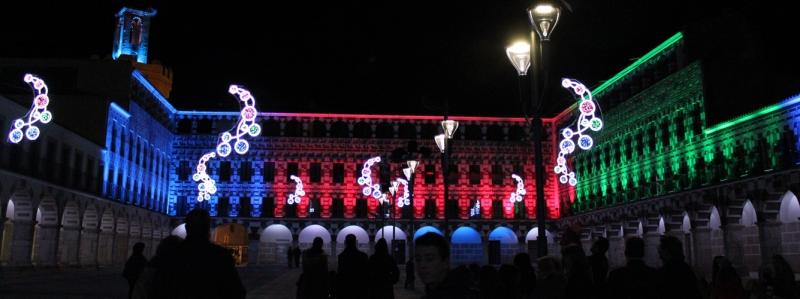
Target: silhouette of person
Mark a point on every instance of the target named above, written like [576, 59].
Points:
[383, 272]
[577, 272]
[352, 270]
[677, 278]
[599, 263]
[527, 275]
[785, 285]
[204, 269]
[156, 278]
[509, 286]
[296, 253]
[410, 274]
[551, 282]
[489, 283]
[635, 279]
[725, 283]
[313, 282]
[134, 266]
[290, 255]
[432, 261]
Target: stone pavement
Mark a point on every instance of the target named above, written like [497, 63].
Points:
[273, 282]
[284, 287]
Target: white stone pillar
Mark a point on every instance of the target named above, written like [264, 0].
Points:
[68, 246]
[45, 245]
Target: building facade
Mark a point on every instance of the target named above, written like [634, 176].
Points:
[84, 193]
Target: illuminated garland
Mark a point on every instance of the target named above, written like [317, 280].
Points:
[208, 186]
[297, 196]
[588, 120]
[38, 112]
[366, 180]
[476, 209]
[517, 195]
[246, 125]
[403, 201]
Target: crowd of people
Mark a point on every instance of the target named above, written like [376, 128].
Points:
[196, 268]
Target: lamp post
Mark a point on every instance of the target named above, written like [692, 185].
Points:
[409, 172]
[450, 127]
[543, 17]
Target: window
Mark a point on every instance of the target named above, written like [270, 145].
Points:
[497, 209]
[185, 126]
[136, 31]
[204, 126]
[268, 207]
[223, 207]
[453, 174]
[315, 172]
[430, 209]
[244, 207]
[430, 174]
[337, 208]
[317, 129]
[245, 171]
[183, 171]
[225, 171]
[361, 208]
[357, 173]
[451, 208]
[474, 174]
[314, 208]
[519, 170]
[497, 175]
[290, 211]
[338, 173]
[385, 175]
[77, 171]
[268, 172]
[291, 169]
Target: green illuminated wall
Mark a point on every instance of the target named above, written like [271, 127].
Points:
[656, 142]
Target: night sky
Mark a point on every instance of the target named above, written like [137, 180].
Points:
[395, 57]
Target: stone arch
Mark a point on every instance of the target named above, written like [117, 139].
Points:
[508, 243]
[233, 236]
[274, 242]
[686, 223]
[714, 220]
[121, 238]
[362, 238]
[180, 231]
[748, 218]
[106, 237]
[427, 229]
[391, 233]
[69, 236]
[88, 236]
[16, 243]
[533, 234]
[790, 226]
[307, 235]
[45, 233]
[662, 227]
[467, 246]
[790, 209]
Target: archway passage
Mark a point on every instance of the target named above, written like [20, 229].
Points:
[274, 243]
[362, 238]
[233, 236]
[467, 246]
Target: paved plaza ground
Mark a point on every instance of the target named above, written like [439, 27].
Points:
[273, 282]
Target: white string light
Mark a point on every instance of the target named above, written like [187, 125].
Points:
[207, 185]
[403, 201]
[518, 194]
[476, 209]
[245, 126]
[38, 112]
[366, 180]
[588, 120]
[297, 196]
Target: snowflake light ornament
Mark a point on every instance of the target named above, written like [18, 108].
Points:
[587, 121]
[245, 126]
[518, 194]
[207, 185]
[297, 196]
[365, 180]
[24, 127]
[403, 200]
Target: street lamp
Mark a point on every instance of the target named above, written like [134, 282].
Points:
[449, 127]
[543, 17]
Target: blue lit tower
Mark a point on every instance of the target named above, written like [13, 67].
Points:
[130, 37]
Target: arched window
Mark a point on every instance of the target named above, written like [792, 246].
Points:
[136, 31]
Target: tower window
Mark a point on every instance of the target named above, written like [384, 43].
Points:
[136, 31]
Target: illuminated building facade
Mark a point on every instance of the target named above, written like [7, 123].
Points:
[84, 193]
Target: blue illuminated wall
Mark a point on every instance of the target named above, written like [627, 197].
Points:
[130, 37]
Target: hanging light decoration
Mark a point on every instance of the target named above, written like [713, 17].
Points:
[588, 120]
[24, 127]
